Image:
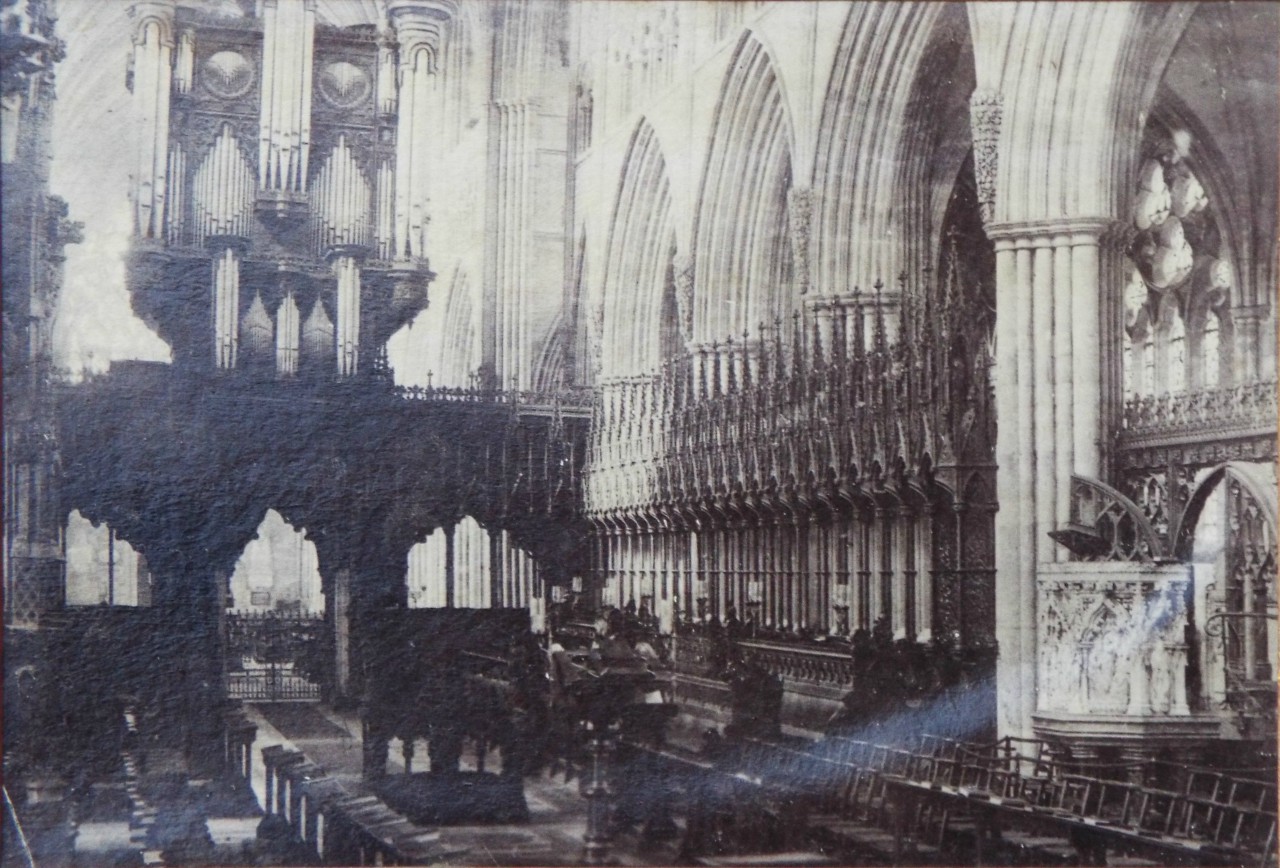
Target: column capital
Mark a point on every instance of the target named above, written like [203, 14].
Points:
[1079, 230]
[420, 24]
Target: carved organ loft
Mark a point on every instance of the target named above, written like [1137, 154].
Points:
[802, 340]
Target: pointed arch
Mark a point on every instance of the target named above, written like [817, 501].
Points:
[457, 345]
[640, 250]
[1260, 489]
[741, 248]
[1075, 83]
[552, 371]
[870, 125]
[279, 567]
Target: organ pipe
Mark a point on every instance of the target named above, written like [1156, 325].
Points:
[284, 121]
[386, 210]
[317, 337]
[419, 106]
[386, 81]
[340, 201]
[417, 88]
[348, 274]
[226, 303]
[255, 328]
[184, 63]
[177, 205]
[152, 82]
[287, 338]
[223, 190]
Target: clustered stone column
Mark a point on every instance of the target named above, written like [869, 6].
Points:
[1048, 400]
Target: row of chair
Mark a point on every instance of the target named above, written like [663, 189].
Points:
[840, 786]
[1208, 812]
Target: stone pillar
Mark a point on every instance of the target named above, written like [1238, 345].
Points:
[34, 566]
[1048, 405]
[799, 217]
[342, 631]
[338, 557]
[188, 684]
[1248, 320]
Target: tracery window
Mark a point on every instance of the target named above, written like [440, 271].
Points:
[1178, 274]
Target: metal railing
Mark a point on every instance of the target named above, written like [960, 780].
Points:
[271, 684]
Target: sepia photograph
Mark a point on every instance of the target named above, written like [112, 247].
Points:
[639, 432]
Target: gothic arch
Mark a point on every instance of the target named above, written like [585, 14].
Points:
[874, 138]
[1262, 491]
[640, 252]
[741, 250]
[1205, 148]
[263, 556]
[1213, 86]
[1073, 85]
[457, 343]
[552, 371]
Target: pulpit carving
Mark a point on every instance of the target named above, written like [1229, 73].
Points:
[1111, 639]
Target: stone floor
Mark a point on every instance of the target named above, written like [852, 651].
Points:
[553, 835]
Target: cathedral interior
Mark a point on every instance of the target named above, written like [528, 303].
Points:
[697, 433]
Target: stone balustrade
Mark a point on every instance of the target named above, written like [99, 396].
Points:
[1244, 409]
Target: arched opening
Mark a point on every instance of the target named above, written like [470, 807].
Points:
[470, 566]
[277, 648]
[1197, 344]
[638, 279]
[886, 165]
[741, 245]
[1229, 537]
[103, 569]
[1203, 231]
[278, 571]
